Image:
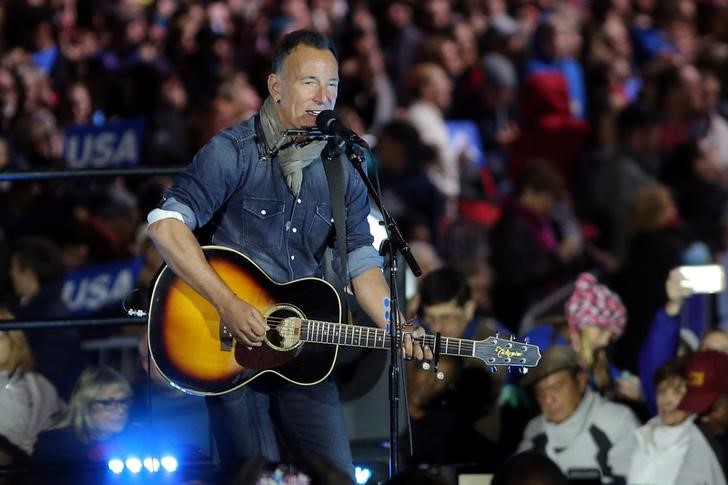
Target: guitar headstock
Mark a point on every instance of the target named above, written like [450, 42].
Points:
[499, 351]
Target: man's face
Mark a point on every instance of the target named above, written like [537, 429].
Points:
[20, 277]
[559, 394]
[669, 394]
[307, 84]
[449, 319]
[440, 88]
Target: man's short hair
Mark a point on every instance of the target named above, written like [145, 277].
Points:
[530, 468]
[539, 176]
[670, 369]
[442, 286]
[634, 117]
[41, 256]
[292, 40]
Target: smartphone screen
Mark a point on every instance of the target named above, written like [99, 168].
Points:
[709, 278]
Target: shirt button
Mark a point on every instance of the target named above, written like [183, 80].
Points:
[299, 201]
[293, 257]
[263, 212]
[294, 229]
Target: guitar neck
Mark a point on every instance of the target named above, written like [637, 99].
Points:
[376, 338]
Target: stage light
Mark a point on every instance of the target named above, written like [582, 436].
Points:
[362, 475]
[151, 464]
[133, 464]
[116, 465]
[169, 463]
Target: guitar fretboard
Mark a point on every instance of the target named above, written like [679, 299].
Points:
[369, 337]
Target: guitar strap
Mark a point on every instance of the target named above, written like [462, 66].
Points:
[261, 143]
[333, 166]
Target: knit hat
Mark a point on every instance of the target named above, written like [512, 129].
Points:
[593, 304]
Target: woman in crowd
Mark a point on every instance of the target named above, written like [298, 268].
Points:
[596, 317]
[93, 429]
[28, 402]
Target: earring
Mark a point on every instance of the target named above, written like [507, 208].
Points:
[278, 101]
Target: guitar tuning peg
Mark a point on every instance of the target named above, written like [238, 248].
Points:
[440, 375]
[523, 370]
[493, 369]
[525, 340]
[425, 366]
[497, 334]
[509, 369]
[512, 337]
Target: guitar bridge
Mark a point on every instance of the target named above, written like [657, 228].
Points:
[226, 338]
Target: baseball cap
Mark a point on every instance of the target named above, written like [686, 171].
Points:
[555, 358]
[705, 379]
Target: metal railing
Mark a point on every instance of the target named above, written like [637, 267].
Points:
[88, 173]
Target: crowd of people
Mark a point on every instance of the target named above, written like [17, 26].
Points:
[598, 164]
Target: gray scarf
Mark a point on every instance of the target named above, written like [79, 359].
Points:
[292, 159]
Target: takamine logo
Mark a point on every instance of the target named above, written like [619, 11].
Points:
[504, 353]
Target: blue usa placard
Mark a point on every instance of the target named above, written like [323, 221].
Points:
[114, 144]
[96, 289]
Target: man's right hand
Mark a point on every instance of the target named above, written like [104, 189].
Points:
[244, 321]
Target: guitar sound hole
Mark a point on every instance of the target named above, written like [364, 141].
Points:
[274, 337]
[285, 329]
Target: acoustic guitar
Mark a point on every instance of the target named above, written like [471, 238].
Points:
[197, 354]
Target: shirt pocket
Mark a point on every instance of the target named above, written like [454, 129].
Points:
[321, 227]
[263, 222]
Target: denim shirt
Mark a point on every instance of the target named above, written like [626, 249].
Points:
[245, 198]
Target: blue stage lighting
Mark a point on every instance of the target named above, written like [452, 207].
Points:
[133, 464]
[116, 465]
[151, 464]
[362, 475]
[169, 463]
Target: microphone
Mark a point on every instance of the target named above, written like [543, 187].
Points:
[329, 123]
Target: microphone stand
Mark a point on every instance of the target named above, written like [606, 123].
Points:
[395, 242]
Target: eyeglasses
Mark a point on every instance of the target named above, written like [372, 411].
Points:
[109, 404]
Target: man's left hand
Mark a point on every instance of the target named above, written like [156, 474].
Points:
[415, 349]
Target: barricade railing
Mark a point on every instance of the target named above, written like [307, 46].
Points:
[73, 322]
[87, 173]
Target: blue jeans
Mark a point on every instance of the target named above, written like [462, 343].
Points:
[250, 421]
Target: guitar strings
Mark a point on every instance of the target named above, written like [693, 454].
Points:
[465, 346]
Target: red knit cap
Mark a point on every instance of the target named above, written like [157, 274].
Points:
[594, 304]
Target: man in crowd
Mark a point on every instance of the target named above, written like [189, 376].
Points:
[577, 428]
[36, 271]
[707, 396]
